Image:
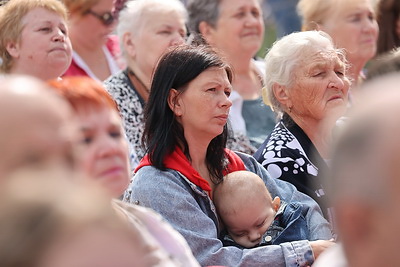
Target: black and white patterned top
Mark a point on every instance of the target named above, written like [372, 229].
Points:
[289, 154]
[131, 107]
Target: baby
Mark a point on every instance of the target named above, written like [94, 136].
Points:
[252, 217]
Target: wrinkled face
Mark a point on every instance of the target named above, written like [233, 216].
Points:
[98, 247]
[89, 28]
[352, 25]
[103, 149]
[158, 31]
[203, 107]
[251, 220]
[320, 87]
[239, 28]
[44, 49]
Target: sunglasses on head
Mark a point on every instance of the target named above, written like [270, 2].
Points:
[106, 18]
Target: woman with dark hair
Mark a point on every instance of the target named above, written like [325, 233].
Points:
[388, 17]
[185, 136]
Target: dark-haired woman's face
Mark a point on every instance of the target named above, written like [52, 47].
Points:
[203, 107]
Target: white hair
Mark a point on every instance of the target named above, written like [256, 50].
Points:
[131, 17]
[287, 54]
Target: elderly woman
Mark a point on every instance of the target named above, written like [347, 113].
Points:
[146, 29]
[34, 38]
[352, 26]
[236, 29]
[186, 134]
[307, 86]
[95, 50]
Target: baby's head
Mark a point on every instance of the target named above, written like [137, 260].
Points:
[245, 206]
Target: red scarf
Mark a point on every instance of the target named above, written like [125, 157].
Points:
[179, 162]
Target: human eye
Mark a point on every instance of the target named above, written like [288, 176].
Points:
[240, 14]
[87, 140]
[240, 234]
[115, 134]
[255, 13]
[228, 92]
[45, 29]
[213, 89]
[355, 18]
[262, 223]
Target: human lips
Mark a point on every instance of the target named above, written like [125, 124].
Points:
[113, 170]
[336, 97]
[59, 48]
[222, 117]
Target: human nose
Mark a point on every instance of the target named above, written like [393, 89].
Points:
[59, 36]
[370, 25]
[177, 39]
[225, 102]
[108, 147]
[337, 82]
[254, 236]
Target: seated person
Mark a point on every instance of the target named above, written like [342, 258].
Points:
[252, 217]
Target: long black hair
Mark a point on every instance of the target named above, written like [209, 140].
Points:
[162, 132]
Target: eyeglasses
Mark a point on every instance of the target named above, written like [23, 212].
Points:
[106, 18]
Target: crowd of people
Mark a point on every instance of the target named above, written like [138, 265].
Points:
[148, 133]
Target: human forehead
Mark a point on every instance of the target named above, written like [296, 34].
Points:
[233, 5]
[345, 7]
[322, 59]
[212, 76]
[40, 14]
[94, 116]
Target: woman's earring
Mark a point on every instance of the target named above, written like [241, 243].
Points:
[290, 109]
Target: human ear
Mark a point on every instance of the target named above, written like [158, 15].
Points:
[173, 102]
[207, 31]
[129, 45]
[276, 203]
[281, 93]
[13, 49]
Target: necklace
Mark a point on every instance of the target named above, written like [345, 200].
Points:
[138, 83]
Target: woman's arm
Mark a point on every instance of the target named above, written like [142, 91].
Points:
[190, 211]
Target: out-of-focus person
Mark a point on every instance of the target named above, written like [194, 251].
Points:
[388, 17]
[384, 64]
[103, 157]
[186, 134]
[364, 181]
[351, 24]
[49, 221]
[37, 129]
[307, 86]
[146, 28]
[235, 28]
[34, 38]
[95, 50]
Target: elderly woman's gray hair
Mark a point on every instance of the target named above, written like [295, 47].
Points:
[131, 17]
[203, 10]
[286, 55]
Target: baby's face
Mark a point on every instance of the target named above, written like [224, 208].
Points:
[248, 225]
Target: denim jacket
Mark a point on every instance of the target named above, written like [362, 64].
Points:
[288, 225]
[191, 212]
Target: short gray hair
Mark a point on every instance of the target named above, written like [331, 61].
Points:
[287, 54]
[202, 10]
[130, 18]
